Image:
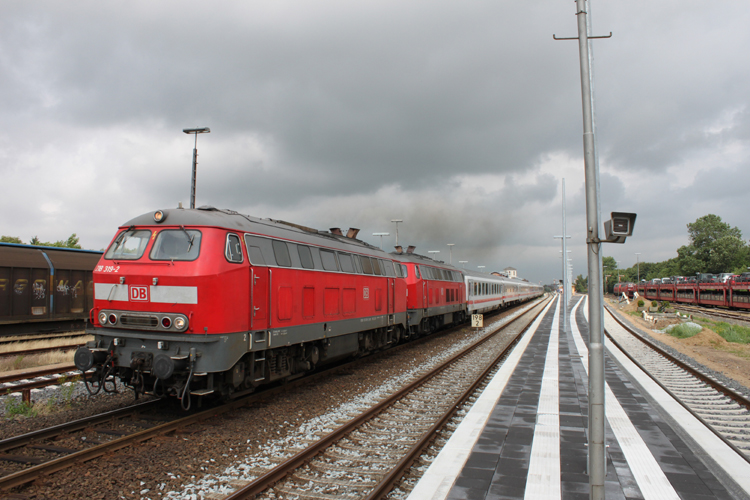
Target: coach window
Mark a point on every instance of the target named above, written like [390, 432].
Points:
[281, 251]
[329, 260]
[130, 245]
[345, 260]
[176, 244]
[305, 257]
[233, 250]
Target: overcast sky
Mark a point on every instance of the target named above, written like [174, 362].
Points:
[461, 118]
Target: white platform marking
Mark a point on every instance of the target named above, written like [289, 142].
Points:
[646, 470]
[437, 480]
[543, 478]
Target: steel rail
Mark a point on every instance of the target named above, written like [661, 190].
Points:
[25, 439]
[716, 385]
[31, 473]
[261, 483]
[722, 313]
[40, 350]
[4, 379]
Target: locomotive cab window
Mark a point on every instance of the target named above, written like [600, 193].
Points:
[129, 245]
[177, 244]
[233, 251]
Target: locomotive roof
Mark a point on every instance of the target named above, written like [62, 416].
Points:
[229, 219]
[421, 259]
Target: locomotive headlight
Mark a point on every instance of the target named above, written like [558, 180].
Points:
[166, 322]
[159, 216]
[113, 319]
[103, 318]
[179, 323]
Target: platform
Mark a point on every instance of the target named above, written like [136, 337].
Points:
[526, 436]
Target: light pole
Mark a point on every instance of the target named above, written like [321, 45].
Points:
[450, 258]
[195, 131]
[637, 263]
[480, 267]
[433, 252]
[396, 221]
[463, 262]
[381, 237]
[566, 280]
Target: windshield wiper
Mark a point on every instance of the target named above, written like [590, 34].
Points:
[121, 239]
[190, 238]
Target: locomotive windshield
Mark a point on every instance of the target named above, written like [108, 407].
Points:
[177, 244]
[130, 245]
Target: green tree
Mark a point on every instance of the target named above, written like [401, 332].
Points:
[609, 266]
[11, 239]
[581, 284]
[71, 242]
[714, 247]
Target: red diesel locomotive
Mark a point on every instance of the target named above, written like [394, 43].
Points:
[211, 301]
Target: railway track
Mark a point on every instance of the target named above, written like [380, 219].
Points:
[28, 457]
[722, 409]
[39, 350]
[37, 379]
[719, 313]
[367, 455]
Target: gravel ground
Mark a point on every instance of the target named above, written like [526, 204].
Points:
[205, 458]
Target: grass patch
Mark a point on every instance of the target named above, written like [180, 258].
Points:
[727, 331]
[684, 331]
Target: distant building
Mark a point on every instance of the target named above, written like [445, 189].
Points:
[510, 272]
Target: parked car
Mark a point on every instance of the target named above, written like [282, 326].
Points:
[707, 278]
[724, 277]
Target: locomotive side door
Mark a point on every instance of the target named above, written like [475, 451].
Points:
[258, 298]
[391, 285]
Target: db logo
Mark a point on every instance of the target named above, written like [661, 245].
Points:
[139, 293]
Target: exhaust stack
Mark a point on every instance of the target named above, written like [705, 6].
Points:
[399, 249]
[352, 232]
[336, 231]
[411, 249]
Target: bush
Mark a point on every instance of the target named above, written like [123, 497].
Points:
[16, 407]
[641, 303]
[664, 305]
[654, 303]
[684, 331]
